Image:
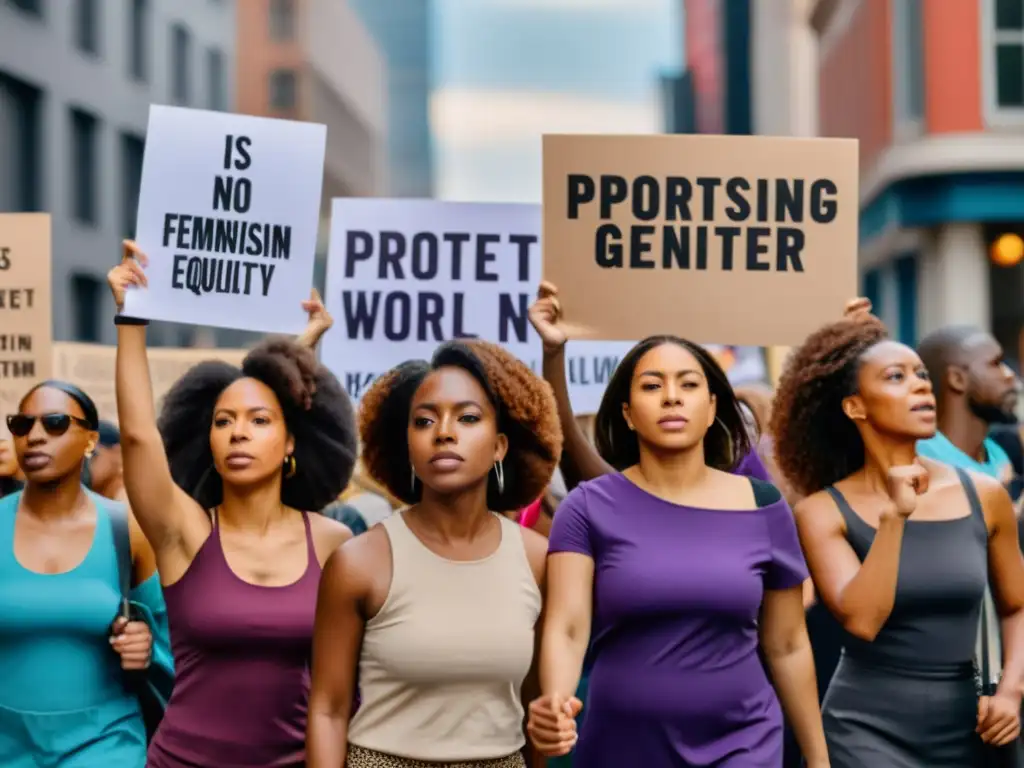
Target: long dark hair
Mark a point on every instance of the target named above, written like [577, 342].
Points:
[727, 440]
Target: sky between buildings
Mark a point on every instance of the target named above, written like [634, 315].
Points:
[507, 71]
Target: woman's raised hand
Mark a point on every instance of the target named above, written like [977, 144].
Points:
[546, 315]
[128, 273]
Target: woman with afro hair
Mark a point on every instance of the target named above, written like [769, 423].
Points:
[434, 610]
[224, 487]
[900, 549]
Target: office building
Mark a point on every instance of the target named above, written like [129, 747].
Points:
[402, 29]
[76, 81]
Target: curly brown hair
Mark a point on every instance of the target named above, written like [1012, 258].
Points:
[527, 416]
[816, 445]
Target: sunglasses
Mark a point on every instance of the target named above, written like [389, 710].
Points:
[55, 424]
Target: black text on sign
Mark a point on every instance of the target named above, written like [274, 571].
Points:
[736, 223]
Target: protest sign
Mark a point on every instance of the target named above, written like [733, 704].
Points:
[748, 240]
[405, 275]
[229, 208]
[26, 327]
[91, 367]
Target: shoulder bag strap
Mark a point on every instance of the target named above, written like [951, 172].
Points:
[118, 514]
[988, 648]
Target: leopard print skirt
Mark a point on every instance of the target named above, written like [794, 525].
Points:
[368, 758]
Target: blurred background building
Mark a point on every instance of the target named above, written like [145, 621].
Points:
[404, 35]
[76, 81]
[934, 91]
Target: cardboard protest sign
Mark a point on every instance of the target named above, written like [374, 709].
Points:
[26, 326]
[405, 275]
[229, 208]
[91, 367]
[748, 240]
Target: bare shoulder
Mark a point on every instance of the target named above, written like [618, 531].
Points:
[328, 535]
[536, 552]
[818, 512]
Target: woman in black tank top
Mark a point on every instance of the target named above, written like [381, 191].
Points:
[900, 550]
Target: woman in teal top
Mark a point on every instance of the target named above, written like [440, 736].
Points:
[65, 701]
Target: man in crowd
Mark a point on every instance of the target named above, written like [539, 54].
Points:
[975, 389]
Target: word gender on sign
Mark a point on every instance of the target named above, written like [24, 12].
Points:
[765, 219]
[16, 353]
[213, 254]
[402, 314]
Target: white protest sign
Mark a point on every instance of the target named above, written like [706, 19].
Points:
[228, 214]
[406, 275]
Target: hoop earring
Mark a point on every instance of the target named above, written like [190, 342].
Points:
[290, 467]
[412, 475]
[499, 474]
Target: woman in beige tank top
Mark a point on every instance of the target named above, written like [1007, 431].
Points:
[434, 610]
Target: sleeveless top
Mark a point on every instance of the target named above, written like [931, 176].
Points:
[443, 661]
[241, 656]
[943, 572]
[62, 690]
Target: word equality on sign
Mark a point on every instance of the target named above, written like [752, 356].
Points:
[228, 215]
[742, 202]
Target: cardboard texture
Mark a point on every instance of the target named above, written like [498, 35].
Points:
[91, 366]
[742, 240]
[26, 327]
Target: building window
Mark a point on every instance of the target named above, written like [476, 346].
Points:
[87, 26]
[86, 297]
[138, 40]
[34, 7]
[181, 49]
[1003, 64]
[132, 150]
[282, 20]
[21, 131]
[85, 136]
[216, 80]
[283, 85]
[908, 66]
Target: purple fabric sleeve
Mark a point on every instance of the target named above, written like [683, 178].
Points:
[570, 529]
[788, 567]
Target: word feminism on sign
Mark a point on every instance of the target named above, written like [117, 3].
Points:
[429, 315]
[226, 239]
[16, 360]
[765, 218]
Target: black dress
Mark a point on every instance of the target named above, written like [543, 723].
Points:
[908, 699]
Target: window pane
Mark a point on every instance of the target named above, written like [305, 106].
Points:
[1010, 74]
[216, 87]
[180, 65]
[138, 38]
[132, 149]
[282, 89]
[282, 20]
[84, 166]
[86, 295]
[1009, 14]
[87, 26]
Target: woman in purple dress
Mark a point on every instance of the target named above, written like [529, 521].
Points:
[678, 570]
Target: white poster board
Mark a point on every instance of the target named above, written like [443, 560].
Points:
[228, 214]
[405, 275]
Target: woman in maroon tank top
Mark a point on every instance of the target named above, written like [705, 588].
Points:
[223, 489]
